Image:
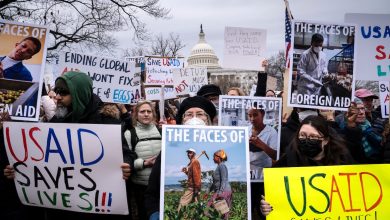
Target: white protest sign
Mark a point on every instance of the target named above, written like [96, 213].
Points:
[372, 45]
[154, 93]
[176, 165]
[73, 167]
[115, 81]
[237, 110]
[384, 97]
[159, 69]
[189, 80]
[244, 48]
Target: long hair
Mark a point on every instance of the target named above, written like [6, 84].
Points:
[138, 106]
[335, 151]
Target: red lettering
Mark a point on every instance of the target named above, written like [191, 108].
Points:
[379, 49]
[11, 148]
[349, 190]
[364, 197]
[36, 143]
[334, 189]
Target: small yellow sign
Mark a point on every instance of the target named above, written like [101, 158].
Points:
[360, 192]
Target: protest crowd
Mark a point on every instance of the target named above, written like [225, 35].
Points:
[352, 133]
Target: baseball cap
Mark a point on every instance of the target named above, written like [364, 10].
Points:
[364, 93]
[191, 150]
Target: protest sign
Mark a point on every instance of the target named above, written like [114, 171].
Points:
[325, 72]
[384, 97]
[159, 69]
[372, 46]
[74, 167]
[189, 80]
[115, 81]
[244, 48]
[205, 141]
[21, 73]
[328, 192]
[241, 111]
[154, 93]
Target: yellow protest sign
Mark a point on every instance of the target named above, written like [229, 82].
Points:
[353, 192]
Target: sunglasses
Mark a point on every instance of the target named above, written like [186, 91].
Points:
[61, 91]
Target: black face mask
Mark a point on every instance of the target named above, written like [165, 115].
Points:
[310, 148]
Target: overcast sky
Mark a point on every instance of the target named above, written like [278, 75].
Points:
[215, 15]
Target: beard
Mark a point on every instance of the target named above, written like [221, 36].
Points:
[61, 111]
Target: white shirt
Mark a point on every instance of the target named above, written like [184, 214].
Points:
[8, 62]
[311, 69]
[259, 160]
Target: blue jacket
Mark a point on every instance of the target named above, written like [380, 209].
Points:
[17, 72]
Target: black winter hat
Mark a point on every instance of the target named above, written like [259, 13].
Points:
[195, 102]
[209, 89]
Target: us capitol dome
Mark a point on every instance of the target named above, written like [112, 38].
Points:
[202, 54]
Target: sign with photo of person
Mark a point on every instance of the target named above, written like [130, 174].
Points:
[115, 81]
[73, 167]
[262, 116]
[328, 192]
[204, 173]
[22, 65]
[323, 59]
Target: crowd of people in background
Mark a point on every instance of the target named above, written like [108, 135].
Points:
[358, 136]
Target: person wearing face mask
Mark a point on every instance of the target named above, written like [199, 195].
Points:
[315, 144]
[195, 110]
[312, 67]
[291, 126]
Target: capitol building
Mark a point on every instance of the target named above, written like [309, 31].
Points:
[203, 55]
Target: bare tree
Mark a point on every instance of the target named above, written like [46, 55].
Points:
[276, 68]
[87, 22]
[167, 47]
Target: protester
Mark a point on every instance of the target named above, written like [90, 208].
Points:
[367, 97]
[315, 144]
[145, 141]
[270, 93]
[11, 66]
[195, 110]
[212, 93]
[77, 104]
[364, 141]
[235, 91]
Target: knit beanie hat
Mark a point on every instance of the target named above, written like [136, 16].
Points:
[209, 89]
[195, 102]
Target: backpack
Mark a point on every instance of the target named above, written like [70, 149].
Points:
[134, 138]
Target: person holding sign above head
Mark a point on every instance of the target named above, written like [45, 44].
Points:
[76, 103]
[315, 144]
[11, 66]
[312, 67]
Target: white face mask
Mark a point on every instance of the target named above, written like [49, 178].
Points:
[304, 114]
[317, 49]
[195, 121]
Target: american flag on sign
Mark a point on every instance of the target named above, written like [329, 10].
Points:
[288, 35]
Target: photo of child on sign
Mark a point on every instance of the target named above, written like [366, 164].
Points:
[323, 65]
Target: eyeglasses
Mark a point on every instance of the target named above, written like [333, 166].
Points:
[61, 91]
[311, 138]
[195, 114]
